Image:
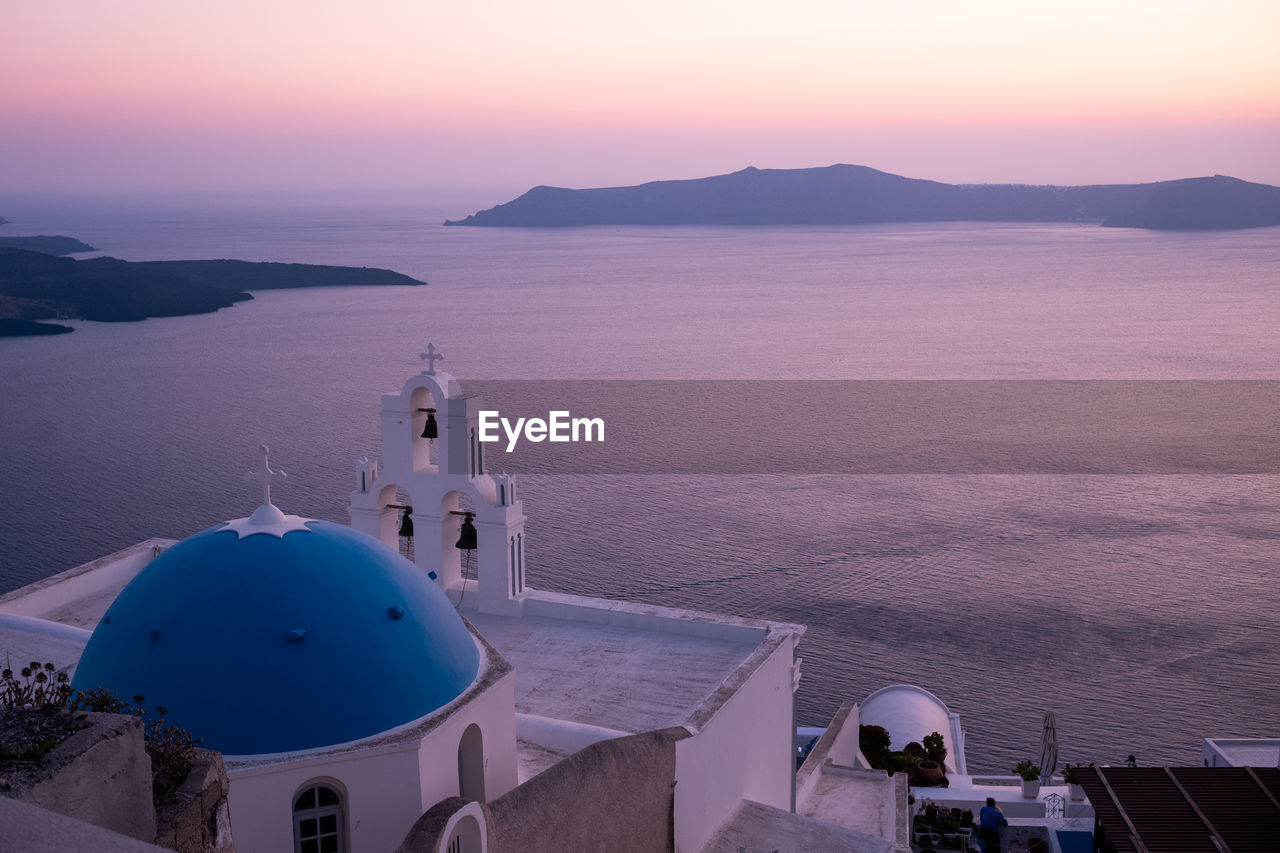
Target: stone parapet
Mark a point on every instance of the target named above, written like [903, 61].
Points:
[100, 775]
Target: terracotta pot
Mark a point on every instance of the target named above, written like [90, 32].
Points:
[929, 772]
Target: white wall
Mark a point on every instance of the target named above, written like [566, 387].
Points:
[494, 712]
[386, 787]
[1241, 752]
[745, 751]
[380, 796]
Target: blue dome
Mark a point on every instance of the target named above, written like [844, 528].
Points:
[272, 643]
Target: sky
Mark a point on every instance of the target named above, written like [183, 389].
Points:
[157, 95]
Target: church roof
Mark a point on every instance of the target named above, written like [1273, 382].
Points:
[279, 636]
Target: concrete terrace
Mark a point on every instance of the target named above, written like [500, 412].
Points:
[80, 596]
[590, 669]
[626, 679]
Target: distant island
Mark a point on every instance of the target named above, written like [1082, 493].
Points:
[35, 286]
[46, 245]
[10, 328]
[855, 195]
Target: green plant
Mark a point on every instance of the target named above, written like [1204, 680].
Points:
[936, 747]
[98, 699]
[33, 715]
[1028, 771]
[902, 762]
[1071, 773]
[874, 742]
[171, 749]
[39, 685]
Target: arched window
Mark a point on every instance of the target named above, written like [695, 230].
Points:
[317, 821]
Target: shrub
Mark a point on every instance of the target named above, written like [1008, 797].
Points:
[40, 687]
[33, 715]
[1071, 773]
[874, 742]
[902, 762]
[936, 747]
[1028, 771]
[171, 749]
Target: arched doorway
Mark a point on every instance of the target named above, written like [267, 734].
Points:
[471, 764]
[465, 836]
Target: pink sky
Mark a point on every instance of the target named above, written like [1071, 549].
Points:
[280, 94]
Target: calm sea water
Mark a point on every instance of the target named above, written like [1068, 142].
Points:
[1143, 610]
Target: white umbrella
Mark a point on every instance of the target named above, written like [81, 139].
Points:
[1048, 748]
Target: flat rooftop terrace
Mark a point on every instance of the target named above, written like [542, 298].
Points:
[80, 596]
[626, 679]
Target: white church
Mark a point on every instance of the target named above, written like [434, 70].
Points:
[369, 700]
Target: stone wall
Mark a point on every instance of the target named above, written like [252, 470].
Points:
[100, 775]
[427, 834]
[197, 819]
[614, 795]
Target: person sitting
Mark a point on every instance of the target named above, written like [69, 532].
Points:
[990, 819]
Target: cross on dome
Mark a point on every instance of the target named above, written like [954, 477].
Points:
[432, 355]
[266, 518]
[265, 476]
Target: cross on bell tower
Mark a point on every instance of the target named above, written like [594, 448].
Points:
[431, 356]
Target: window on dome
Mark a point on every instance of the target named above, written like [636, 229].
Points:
[317, 821]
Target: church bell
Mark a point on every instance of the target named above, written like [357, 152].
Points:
[406, 522]
[467, 536]
[430, 429]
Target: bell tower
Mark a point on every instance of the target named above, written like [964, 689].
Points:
[432, 471]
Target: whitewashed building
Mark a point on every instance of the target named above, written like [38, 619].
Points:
[363, 699]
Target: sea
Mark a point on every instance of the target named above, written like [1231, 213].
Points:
[1144, 610]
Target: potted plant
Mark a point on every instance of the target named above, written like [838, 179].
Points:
[902, 762]
[1030, 779]
[1071, 775]
[935, 747]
